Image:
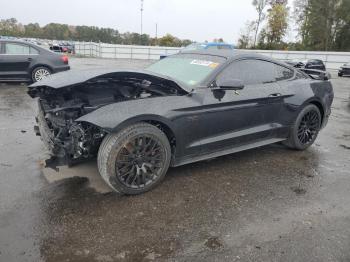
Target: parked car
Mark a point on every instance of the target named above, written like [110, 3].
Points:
[208, 46]
[23, 61]
[344, 70]
[56, 48]
[205, 46]
[67, 47]
[185, 108]
[312, 64]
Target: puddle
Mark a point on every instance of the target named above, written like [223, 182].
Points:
[213, 243]
[299, 191]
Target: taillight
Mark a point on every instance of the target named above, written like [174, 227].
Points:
[64, 58]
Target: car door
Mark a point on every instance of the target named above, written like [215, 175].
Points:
[238, 118]
[16, 60]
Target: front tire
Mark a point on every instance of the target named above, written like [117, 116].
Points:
[305, 129]
[39, 73]
[135, 160]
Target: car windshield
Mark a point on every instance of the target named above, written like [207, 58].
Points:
[188, 69]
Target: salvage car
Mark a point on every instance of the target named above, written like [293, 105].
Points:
[344, 70]
[26, 62]
[182, 109]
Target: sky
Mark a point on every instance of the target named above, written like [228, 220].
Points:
[197, 20]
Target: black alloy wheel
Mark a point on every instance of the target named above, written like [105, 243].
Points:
[134, 160]
[305, 129]
[308, 127]
[139, 162]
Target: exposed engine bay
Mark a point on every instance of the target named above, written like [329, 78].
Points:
[70, 141]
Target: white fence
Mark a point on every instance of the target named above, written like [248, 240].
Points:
[333, 60]
[123, 51]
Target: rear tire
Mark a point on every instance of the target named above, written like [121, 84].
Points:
[305, 129]
[135, 160]
[39, 73]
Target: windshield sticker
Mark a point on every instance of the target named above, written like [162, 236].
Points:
[214, 65]
[204, 63]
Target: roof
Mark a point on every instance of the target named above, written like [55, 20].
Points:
[231, 55]
[228, 54]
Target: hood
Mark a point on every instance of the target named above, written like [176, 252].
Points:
[75, 77]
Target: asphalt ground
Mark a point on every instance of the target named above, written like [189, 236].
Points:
[265, 204]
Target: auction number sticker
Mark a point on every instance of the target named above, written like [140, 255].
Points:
[204, 63]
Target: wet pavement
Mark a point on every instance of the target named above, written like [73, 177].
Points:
[266, 204]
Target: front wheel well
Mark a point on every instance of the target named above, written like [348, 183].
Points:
[167, 131]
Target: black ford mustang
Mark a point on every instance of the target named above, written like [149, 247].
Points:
[185, 108]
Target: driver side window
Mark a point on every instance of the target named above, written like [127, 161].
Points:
[251, 72]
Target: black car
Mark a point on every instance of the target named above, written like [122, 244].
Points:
[185, 108]
[56, 48]
[344, 70]
[23, 61]
[312, 64]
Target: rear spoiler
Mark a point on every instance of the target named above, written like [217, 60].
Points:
[316, 74]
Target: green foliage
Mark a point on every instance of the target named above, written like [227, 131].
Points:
[321, 25]
[10, 27]
[169, 40]
[277, 25]
[54, 31]
[324, 24]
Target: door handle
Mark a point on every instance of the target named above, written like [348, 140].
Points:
[30, 59]
[275, 95]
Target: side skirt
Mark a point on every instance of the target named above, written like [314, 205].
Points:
[191, 159]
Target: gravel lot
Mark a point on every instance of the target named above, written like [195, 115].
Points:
[266, 204]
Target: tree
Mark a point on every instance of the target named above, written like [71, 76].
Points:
[323, 24]
[342, 36]
[260, 6]
[33, 30]
[301, 14]
[277, 23]
[10, 27]
[169, 40]
[245, 40]
[55, 31]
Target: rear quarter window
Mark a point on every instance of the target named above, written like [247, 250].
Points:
[33, 51]
[283, 73]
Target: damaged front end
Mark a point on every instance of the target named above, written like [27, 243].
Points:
[68, 142]
[71, 141]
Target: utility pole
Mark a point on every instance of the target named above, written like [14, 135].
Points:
[156, 33]
[141, 15]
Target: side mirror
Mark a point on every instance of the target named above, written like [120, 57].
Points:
[230, 84]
